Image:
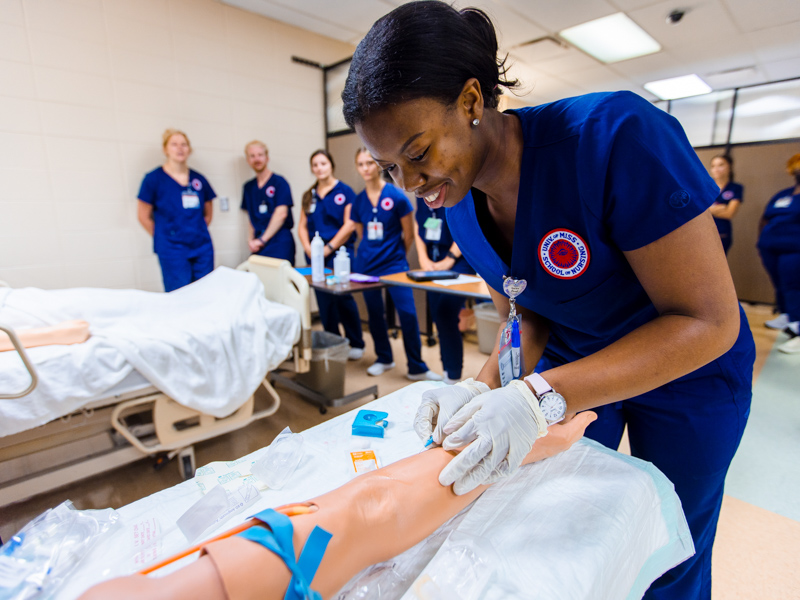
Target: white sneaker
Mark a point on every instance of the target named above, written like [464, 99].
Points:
[793, 328]
[779, 322]
[449, 381]
[355, 353]
[790, 347]
[426, 376]
[379, 368]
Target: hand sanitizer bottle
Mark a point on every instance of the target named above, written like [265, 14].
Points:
[341, 266]
[317, 259]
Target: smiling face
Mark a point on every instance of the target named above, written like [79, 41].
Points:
[428, 148]
[257, 157]
[177, 148]
[321, 167]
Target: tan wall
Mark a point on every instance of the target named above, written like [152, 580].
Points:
[761, 169]
[86, 89]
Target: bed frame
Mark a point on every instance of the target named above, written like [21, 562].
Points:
[127, 427]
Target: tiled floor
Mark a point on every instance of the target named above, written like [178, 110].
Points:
[757, 553]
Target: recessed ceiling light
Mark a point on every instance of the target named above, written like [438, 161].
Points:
[611, 39]
[678, 87]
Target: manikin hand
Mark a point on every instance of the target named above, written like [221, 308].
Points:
[440, 404]
[498, 429]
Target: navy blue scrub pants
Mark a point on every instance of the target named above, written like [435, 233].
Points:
[180, 267]
[403, 299]
[445, 309]
[689, 429]
[335, 309]
[784, 271]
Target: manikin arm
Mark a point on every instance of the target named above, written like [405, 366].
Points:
[372, 518]
[68, 332]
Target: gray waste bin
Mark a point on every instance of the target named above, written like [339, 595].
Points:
[328, 360]
[487, 322]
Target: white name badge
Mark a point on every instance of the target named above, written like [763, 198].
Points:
[312, 208]
[374, 230]
[262, 208]
[783, 202]
[433, 229]
[190, 200]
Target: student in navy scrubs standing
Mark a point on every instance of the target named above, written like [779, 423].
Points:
[175, 208]
[438, 252]
[731, 196]
[326, 209]
[267, 198]
[779, 246]
[592, 214]
[385, 225]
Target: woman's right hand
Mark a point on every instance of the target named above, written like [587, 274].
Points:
[425, 263]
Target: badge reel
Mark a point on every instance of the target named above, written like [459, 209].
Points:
[190, 199]
[262, 208]
[510, 352]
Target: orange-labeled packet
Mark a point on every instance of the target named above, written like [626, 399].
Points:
[364, 461]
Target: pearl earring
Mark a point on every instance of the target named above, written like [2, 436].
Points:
[475, 122]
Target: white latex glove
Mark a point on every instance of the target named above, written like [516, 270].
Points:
[498, 429]
[439, 404]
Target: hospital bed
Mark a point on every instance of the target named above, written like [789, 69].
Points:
[588, 524]
[160, 373]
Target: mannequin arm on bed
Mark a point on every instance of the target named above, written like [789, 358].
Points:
[372, 518]
[68, 332]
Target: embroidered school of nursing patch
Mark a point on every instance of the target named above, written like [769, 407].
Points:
[563, 254]
[271, 191]
[339, 199]
[387, 204]
[197, 184]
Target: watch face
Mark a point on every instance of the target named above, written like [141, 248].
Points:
[553, 406]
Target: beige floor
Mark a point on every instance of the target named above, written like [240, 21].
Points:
[756, 556]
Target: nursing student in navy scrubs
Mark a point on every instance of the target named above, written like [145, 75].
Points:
[731, 196]
[593, 213]
[779, 247]
[385, 225]
[326, 209]
[175, 208]
[438, 252]
[267, 198]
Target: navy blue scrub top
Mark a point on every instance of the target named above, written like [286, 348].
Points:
[732, 191]
[601, 174]
[176, 226]
[438, 250]
[782, 231]
[260, 204]
[326, 214]
[388, 255]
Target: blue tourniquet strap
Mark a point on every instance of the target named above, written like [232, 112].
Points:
[279, 541]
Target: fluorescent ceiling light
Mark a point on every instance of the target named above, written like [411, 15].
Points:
[678, 87]
[611, 39]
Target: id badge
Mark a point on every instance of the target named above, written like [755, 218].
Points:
[504, 357]
[262, 208]
[375, 230]
[433, 229]
[190, 200]
[312, 208]
[783, 202]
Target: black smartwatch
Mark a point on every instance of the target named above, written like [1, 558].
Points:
[328, 244]
[451, 255]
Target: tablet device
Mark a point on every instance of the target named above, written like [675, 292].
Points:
[432, 275]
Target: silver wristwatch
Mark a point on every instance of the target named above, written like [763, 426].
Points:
[552, 404]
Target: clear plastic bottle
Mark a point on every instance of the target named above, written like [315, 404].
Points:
[341, 266]
[317, 259]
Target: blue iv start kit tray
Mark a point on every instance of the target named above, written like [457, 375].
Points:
[370, 423]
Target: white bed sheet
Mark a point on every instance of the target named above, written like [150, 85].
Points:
[207, 345]
[584, 525]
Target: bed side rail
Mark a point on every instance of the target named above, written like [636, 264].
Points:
[25, 360]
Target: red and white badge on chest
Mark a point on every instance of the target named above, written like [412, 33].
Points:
[271, 191]
[564, 254]
[339, 199]
[197, 184]
[387, 204]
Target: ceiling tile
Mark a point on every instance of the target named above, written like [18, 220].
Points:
[557, 16]
[752, 15]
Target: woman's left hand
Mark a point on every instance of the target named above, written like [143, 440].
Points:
[499, 429]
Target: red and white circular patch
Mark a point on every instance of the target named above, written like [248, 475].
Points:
[197, 184]
[727, 195]
[271, 191]
[339, 199]
[387, 204]
[563, 254]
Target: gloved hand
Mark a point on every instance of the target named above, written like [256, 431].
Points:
[498, 429]
[439, 404]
